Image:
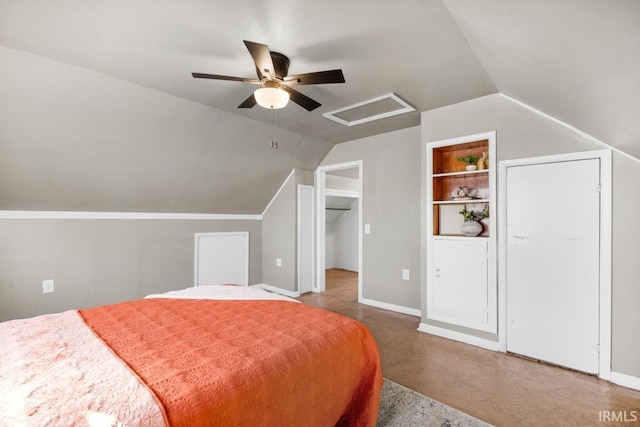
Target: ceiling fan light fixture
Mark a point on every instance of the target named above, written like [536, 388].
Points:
[271, 98]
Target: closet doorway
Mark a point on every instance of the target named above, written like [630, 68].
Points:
[339, 222]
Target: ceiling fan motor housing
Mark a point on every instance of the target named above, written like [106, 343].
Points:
[280, 65]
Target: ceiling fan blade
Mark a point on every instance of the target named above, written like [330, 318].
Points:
[302, 100]
[250, 102]
[262, 57]
[219, 77]
[319, 77]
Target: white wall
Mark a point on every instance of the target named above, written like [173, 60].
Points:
[336, 182]
[329, 246]
[341, 226]
[345, 243]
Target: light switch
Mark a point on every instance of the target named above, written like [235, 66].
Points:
[367, 229]
[278, 262]
[405, 274]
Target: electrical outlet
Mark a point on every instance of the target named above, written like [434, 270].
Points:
[405, 274]
[278, 262]
[47, 286]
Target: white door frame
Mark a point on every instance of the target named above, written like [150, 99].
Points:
[302, 188]
[320, 222]
[604, 360]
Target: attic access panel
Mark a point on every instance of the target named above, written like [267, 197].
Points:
[372, 109]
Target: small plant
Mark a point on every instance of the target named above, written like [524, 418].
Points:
[475, 215]
[469, 159]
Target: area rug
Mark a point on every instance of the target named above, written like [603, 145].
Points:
[400, 406]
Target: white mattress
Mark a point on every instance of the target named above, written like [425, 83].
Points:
[223, 292]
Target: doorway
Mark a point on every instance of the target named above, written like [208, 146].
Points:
[555, 283]
[339, 209]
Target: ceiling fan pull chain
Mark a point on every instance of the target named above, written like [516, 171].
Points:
[274, 119]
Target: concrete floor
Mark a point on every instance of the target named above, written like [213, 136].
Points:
[498, 388]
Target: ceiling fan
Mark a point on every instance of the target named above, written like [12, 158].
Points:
[272, 69]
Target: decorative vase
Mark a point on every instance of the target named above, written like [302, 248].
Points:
[483, 161]
[471, 228]
[472, 167]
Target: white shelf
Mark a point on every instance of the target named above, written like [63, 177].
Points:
[459, 202]
[462, 272]
[436, 175]
[460, 237]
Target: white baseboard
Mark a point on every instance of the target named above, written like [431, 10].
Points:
[391, 307]
[459, 336]
[616, 377]
[625, 380]
[290, 294]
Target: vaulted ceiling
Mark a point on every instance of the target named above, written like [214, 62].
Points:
[576, 60]
[98, 109]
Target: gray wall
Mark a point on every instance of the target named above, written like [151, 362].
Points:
[626, 253]
[391, 199]
[279, 238]
[520, 134]
[394, 198]
[72, 139]
[95, 262]
[279, 235]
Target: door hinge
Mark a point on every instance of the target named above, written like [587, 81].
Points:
[599, 188]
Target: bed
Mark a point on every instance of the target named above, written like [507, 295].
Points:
[203, 356]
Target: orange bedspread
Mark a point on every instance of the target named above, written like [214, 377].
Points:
[246, 363]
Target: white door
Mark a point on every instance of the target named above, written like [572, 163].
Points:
[459, 286]
[221, 258]
[305, 238]
[552, 262]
